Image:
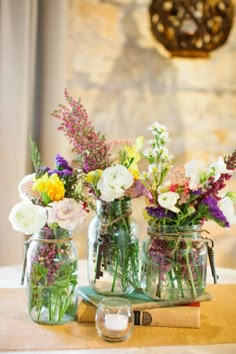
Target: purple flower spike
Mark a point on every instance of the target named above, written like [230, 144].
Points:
[62, 164]
[158, 212]
[214, 210]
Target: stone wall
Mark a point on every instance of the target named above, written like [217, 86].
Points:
[126, 82]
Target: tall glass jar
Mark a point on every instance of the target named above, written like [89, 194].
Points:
[174, 263]
[113, 249]
[52, 273]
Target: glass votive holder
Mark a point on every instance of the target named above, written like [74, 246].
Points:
[114, 319]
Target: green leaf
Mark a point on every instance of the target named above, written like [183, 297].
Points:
[35, 155]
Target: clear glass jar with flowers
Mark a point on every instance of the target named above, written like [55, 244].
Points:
[110, 171]
[179, 201]
[52, 206]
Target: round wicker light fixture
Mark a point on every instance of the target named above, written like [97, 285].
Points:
[191, 28]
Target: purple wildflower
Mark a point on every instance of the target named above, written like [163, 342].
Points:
[211, 203]
[63, 169]
[63, 173]
[158, 212]
[61, 163]
[160, 252]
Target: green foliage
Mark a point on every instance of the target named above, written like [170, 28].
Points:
[35, 155]
[55, 295]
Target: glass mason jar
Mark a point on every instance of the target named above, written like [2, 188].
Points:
[174, 263]
[52, 273]
[113, 249]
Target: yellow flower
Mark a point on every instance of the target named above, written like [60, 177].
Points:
[145, 215]
[51, 188]
[133, 156]
[93, 177]
[135, 173]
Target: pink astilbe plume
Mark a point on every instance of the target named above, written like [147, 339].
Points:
[91, 147]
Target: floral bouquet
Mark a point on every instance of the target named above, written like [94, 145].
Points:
[110, 171]
[179, 201]
[52, 205]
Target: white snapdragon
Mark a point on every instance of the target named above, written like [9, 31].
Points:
[168, 201]
[113, 182]
[194, 170]
[67, 213]
[226, 205]
[219, 167]
[27, 218]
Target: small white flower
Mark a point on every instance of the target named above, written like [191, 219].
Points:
[156, 126]
[168, 201]
[226, 205]
[148, 153]
[219, 167]
[194, 169]
[68, 213]
[152, 169]
[113, 182]
[27, 218]
[144, 175]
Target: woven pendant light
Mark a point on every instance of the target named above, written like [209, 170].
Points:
[191, 28]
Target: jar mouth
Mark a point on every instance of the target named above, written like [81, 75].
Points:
[174, 229]
[53, 233]
[116, 207]
[101, 202]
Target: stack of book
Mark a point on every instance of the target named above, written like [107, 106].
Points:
[147, 311]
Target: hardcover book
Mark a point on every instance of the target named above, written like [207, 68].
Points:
[176, 316]
[147, 311]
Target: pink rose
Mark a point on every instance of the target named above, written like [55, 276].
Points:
[67, 213]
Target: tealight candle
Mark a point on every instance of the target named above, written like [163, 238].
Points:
[116, 322]
[114, 319]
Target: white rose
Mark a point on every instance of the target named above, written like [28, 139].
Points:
[27, 218]
[67, 213]
[113, 182]
[168, 200]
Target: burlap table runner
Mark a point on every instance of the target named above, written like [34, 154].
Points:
[19, 332]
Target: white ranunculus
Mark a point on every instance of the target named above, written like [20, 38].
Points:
[226, 205]
[194, 169]
[27, 218]
[219, 168]
[113, 182]
[168, 201]
[67, 213]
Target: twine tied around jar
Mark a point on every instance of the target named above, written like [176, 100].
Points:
[104, 226]
[180, 236]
